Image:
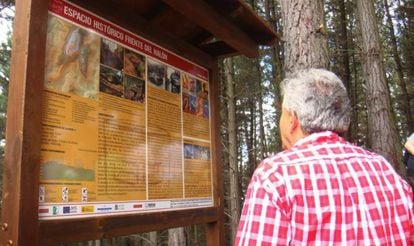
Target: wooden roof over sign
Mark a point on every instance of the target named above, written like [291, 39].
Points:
[217, 28]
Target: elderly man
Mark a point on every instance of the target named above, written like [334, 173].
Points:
[322, 189]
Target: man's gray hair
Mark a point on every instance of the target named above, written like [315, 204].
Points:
[319, 100]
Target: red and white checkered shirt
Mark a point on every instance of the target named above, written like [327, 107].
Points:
[326, 191]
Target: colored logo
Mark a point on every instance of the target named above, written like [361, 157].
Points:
[150, 205]
[103, 209]
[73, 209]
[87, 209]
[137, 205]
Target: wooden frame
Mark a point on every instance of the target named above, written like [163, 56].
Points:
[20, 222]
[20, 198]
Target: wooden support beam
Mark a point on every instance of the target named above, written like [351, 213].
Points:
[205, 16]
[219, 49]
[259, 30]
[200, 38]
[56, 232]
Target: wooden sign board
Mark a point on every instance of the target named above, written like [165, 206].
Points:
[109, 133]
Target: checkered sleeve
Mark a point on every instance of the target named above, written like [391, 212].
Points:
[411, 214]
[412, 228]
[264, 220]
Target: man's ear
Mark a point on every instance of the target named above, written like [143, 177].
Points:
[294, 123]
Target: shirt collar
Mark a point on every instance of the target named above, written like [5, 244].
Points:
[319, 137]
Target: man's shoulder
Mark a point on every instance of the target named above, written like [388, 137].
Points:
[275, 163]
[304, 155]
[278, 158]
[363, 151]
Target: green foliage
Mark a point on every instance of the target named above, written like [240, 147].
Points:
[5, 55]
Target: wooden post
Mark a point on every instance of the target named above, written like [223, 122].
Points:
[21, 166]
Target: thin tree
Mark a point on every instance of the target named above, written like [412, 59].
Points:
[405, 26]
[248, 119]
[381, 133]
[152, 237]
[344, 57]
[262, 136]
[176, 237]
[234, 197]
[405, 102]
[272, 16]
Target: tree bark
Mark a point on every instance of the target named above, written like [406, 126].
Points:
[359, 120]
[406, 25]
[232, 144]
[381, 133]
[304, 34]
[250, 142]
[262, 135]
[277, 67]
[345, 71]
[405, 102]
[343, 45]
[176, 237]
[152, 237]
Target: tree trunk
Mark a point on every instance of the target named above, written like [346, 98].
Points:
[250, 142]
[304, 34]
[233, 167]
[345, 71]
[262, 135]
[176, 237]
[152, 237]
[404, 98]
[343, 45]
[407, 45]
[357, 95]
[381, 133]
[277, 66]
[195, 235]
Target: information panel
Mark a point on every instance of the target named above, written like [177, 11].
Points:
[126, 123]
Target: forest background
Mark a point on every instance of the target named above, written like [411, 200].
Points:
[368, 43]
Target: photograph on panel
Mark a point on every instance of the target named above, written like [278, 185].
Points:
[134, 64]
[134, 89]
[112, 54]
[173, 82]
[157, 73]
[111, 82]
[72, 59]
